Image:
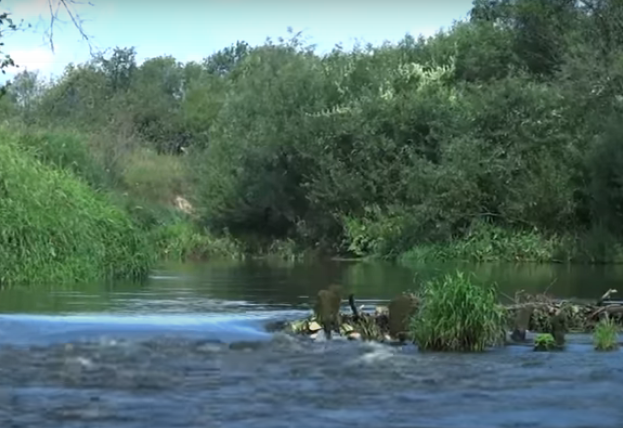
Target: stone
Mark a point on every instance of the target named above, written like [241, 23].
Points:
[401, 309]
[327, 309]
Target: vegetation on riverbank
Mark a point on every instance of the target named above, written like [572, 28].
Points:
[496, 139]
[56, 229]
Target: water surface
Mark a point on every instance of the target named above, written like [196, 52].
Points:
[189, 348]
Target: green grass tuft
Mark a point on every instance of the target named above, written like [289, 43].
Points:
[605, 336]
[458, 315]
[545, 342]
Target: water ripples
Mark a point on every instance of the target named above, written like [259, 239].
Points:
[172, 381]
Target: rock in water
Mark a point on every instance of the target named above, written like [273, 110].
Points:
[327, 309]
[401, 309]
[353, 335]
[313, 326]
[522, 322]
[558, 322]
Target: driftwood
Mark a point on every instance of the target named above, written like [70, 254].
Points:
[605, 299]
[616, 309]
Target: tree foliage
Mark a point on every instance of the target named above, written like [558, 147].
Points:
[510, 118]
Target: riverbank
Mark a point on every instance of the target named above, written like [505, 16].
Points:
[486, 243]
[71, 211]
[55, 228]
[122, 183]
[483, 243]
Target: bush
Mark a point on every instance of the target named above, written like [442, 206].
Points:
[456, 314]
[55, 228]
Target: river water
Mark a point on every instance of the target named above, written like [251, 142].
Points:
[190, 348]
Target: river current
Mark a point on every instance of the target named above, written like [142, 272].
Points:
[193, 347]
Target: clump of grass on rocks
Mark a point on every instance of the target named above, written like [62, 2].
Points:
[545, 342]
[457, 314]
[605, 336]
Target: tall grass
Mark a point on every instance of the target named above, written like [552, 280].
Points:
[154, 177]
[55, 228]
[181, 240]
[605, 336]
[67, 150]
[457, 314]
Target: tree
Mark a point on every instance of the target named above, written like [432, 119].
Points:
[119, 69]
[225, 60]
[26, 92]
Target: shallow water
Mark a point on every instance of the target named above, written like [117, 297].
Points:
[190, 348]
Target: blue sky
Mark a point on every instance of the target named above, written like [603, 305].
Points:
[193, 29]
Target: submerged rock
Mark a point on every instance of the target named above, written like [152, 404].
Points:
[313, 326]
[522, 324]
[401, 309]
[327, 309]
[354, 335]
[558, 326]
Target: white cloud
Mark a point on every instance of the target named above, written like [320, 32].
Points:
[39, 58]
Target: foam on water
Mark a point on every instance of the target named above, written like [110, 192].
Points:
[26, 329]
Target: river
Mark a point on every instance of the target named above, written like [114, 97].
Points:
[190, 348]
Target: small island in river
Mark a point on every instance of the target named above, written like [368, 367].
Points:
[454, 314]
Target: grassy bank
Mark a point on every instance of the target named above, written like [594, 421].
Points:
[68, 216]
[55, 228]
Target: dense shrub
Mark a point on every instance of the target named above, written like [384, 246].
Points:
[508, 119]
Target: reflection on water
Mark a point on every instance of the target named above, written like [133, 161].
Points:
[227, 286]
[189, 348]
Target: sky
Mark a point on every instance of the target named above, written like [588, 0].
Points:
[191, 30]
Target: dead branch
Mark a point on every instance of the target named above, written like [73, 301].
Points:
[606, 296]
[68, 6]
[351, 303]
[528, 305]
[610, 310]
